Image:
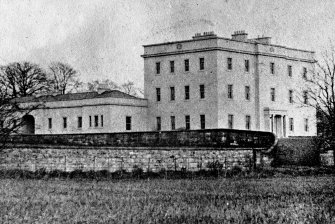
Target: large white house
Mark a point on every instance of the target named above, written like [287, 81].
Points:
[205, 82]
[240, 83]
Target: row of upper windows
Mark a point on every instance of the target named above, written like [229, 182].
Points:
[201, 92]
[229, 66]
[186, 93]
[230, 94]
[186, 65]
[290, 96]
[93, 121]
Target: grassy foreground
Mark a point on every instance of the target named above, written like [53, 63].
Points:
[268, 200]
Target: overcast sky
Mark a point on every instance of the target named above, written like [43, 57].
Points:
[103, 38]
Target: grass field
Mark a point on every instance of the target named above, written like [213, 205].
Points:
[268, 200]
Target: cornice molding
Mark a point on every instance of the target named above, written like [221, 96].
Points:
[227, 50]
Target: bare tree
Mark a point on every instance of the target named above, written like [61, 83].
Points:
[21, 79]
[321, 95]
[12, 111]
[63, 78]
[94, 85]
[129, 88]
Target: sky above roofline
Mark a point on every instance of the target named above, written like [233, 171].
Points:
[103, 39]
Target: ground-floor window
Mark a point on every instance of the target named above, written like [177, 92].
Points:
[247, 122]
[230, 121]
[158, 123]
[128, 123]
[64, 122]
[202, 121]
[306, 125]
[173, 122]
[80, 122]
[50, 123]
[187, 122]
[291, 123]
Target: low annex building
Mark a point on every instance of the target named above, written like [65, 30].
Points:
[89, 112]
[200, 83]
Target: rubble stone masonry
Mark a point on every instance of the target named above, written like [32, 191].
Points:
[69, 158]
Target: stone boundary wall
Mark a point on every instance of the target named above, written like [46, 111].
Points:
[115, 159]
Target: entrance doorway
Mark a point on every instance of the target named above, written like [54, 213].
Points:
[28, 126]
[278, 125]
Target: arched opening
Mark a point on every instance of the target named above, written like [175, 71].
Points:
[28, 126]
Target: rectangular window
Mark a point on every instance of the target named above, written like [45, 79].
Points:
[158, 94]
[187, 65]
[202, 121]
[90, 121]
[246, 65]
[172, 93]
[291, 124]
[201, 63]
[50, 123]
[173, 122]
[128, 123]
[273, 94]
[64, 122]
[159, 125]
[290, 96]
[80, 122]
[230, 121]
[230, 91]
[289, 70]
[272, 67]
[158, 67]
[247, 92]
[187, 92]
[229, 63]
[306, 124]
[305, 95]
[304, 72]
[247, 122]
[187, 122]
[96, 121]
[202, 91]
[172, 66]
[102, 120]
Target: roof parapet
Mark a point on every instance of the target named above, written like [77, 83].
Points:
[261, 40]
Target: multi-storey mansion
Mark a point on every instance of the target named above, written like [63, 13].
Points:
[205, 82]
[240, 83]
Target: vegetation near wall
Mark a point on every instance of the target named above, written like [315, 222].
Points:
[298, 151]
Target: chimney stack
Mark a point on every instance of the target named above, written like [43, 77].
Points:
[240, 35]
[205, 35]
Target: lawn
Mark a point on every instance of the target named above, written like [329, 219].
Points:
[268, 200]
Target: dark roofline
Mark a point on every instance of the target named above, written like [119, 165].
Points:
[85, 96]
[224, 38]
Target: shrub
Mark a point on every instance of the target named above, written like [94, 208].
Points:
[137, 171]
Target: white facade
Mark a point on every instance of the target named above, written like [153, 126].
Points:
[224, 67]
[94, 114]
[206, 82]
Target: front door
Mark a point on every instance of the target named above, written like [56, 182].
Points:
[278, 126]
